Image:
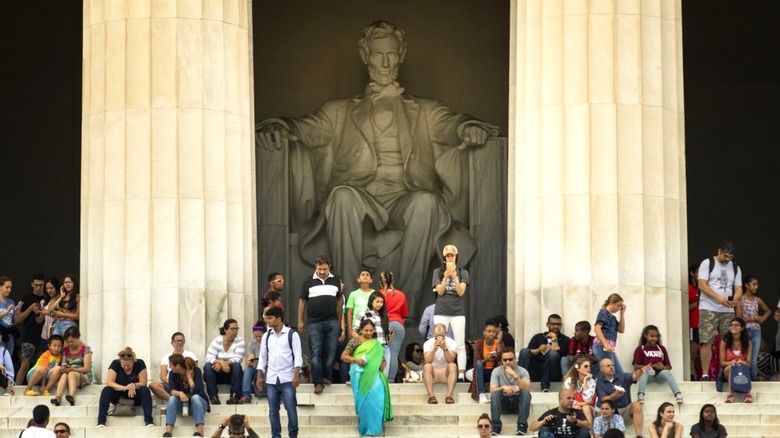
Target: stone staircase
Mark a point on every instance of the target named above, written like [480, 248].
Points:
[332, 414]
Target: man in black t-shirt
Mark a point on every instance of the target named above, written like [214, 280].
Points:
[542, 358]
[30, 341]
[563, 421]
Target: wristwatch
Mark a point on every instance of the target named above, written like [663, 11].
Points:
[221, 426]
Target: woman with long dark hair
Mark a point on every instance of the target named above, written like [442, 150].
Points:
[664, 425]
[66, 310]
[397, 312]
[376, 312]
[450, 282]
[735, 349]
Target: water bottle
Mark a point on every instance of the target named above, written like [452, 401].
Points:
[650, 370]
[185, 410]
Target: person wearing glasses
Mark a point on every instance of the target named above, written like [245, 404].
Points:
[484, 426]
[223, 363]
[275, 284]
[510, 392]
[162, 388]
[580, 381]
[413, 367]
[126, 379]
[542, 357]
[237, 426]
[62, 430]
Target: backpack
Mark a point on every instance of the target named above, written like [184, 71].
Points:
[289, 340]
[712, 266]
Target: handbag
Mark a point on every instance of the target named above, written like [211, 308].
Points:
[740, 379]
[411, 376]
[125, 407]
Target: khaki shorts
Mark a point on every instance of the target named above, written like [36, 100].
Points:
[626, 414]
[440, 375]
[711, 322]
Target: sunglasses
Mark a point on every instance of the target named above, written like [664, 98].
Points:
[126, 355]
[61, 431]
[418, 350]
[483, 426]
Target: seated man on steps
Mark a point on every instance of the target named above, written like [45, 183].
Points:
[510, 392]
[617, 387]
[542, 358]
[563, 421]
[440, 367]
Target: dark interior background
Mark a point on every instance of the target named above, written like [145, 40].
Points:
[732, 86]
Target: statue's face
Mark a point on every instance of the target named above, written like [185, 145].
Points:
[383, 60]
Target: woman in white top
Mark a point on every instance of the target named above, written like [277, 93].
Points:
[223, 363]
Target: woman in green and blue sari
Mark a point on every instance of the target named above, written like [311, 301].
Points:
[369, 384]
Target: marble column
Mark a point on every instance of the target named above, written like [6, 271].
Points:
[598, 167]
[168, 239]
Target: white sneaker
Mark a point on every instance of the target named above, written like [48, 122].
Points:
[484, 399]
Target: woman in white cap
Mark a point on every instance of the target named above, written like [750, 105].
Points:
[449, 283]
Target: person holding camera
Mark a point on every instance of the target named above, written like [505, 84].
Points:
[563, 421]
[237, 425]
[510, 392]
[440, 366]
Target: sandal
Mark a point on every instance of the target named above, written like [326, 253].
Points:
[449, 400]
[432, 400]
[32, 393]
[748, 398]
[167, 434]
[730, 398]
[70, 400]
[55, 401]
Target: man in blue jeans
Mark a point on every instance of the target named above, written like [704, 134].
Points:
[280, 362]
[510, 392]
[542, 358]
[322, 301]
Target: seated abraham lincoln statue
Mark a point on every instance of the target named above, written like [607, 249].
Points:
[380, 175]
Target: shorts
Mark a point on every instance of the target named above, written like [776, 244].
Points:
[626, 414]
[29, 352]
[440, 375]
[712, 322]
[693, 334]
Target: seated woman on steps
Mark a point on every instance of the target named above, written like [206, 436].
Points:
[75, 370]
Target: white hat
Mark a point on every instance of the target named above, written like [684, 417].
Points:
[449, 249]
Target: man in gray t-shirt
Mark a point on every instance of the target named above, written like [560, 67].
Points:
[510, 387]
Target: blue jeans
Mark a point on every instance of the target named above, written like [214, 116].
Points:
[62, 325]
[233, 378]
[755, 346]
[287, 393]
[660, 376]
[548, 432]
[323, 338]
[543, 371]
[598, 351]
[395, 349]
[519, 404]
[197, 409]
[248, 381]
[482, 375]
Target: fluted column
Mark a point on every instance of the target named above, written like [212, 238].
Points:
[167, 185]
[598, 166]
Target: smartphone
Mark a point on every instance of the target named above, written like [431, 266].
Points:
[731, 298]
[450, 266]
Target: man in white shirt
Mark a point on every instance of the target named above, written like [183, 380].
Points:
[720, 289]
[38, 428]
[161, 389]
[280, 362]
[440, 366]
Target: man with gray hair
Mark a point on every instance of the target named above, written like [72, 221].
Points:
[439, 353]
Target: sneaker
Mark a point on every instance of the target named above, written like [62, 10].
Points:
[705, 378]
[545, 389]
[150, 424]
[232, 401]
[484, 399]
[748, 398]
[730, 398]
[522, 429]
[100, 426]
[214, 400]
[244, 401]
[640, 397]
[494, 433]
[679, 397]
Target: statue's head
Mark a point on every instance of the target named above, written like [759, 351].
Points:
[382, 49]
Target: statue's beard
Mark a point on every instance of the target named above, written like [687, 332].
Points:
[383, 78]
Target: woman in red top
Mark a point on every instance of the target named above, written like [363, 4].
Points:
[735, 350]
[397, 312]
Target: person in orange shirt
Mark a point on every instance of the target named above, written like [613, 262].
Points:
[43, 366]
[486, 354]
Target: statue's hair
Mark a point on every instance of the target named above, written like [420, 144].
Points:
[378, 30]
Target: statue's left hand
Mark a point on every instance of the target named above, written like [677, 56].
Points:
[474, 135]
